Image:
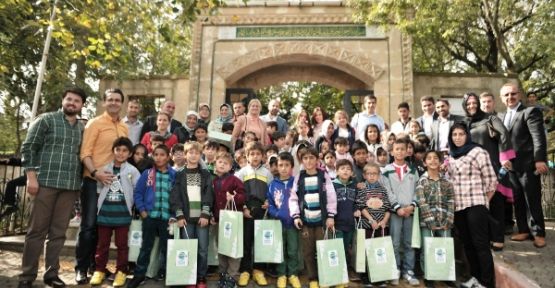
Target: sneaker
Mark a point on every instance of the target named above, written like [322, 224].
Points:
[381, 284]
[394, 282]
[201, 283]
[120, 279]
[55, 282]
[313, 284]
[25, 284]
[409, 276]
[294, 281]
[281, 282]
[353, 276]
[81, 277]
[75, 221]
[136, 281]
[244, 279]
[259, 278]
[161, 275]
[97, 278]
[226, 281]
[340, 286]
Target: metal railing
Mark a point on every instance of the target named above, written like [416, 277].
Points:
[16, 222]
[548, 189]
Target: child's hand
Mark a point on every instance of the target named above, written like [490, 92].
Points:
[361, 185]
[181, 222]
[229, 196]
[266, 205]
[409, 209]
[144, 214]
[247, 213]
[382, 224]
[213, 221]
[375, 225]
[401, 212]
[203, 222]
[330, 223]
[357, 214]
[298, 223]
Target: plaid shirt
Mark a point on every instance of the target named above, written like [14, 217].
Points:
[436, 201]
[162, 196]
[52, 149]
[472, 176]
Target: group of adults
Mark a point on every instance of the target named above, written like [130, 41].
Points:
[63, 160]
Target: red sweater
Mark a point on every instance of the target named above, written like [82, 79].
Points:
[227, 183]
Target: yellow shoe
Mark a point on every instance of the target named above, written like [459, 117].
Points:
[259, 278]
[282, 282]
[120, 279]
[340, 286]
[244, 279]
[97, 278]
[294, 281]
[313, 284]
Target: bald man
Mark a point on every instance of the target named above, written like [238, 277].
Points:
[150, 122]
[273, 115]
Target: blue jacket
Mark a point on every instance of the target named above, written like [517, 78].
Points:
[346, 204]
[278, 200]
[144, 192]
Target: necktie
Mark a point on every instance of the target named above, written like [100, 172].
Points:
[508, 118]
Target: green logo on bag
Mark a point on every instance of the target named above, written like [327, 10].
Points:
[181, 255]
[333, 258]
[227, 229]
[136, 236]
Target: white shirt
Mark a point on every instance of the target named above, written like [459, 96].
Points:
[510, 116]
[443, 134]
[427, 123]
[361, 120]
[134, 130]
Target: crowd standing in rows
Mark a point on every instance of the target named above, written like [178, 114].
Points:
[461, 171]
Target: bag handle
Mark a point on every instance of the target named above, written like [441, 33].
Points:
[326, 235]
[358, 224]
[230, 205]
[177, 231]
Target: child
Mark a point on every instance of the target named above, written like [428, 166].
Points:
[227, 187]
[256, 178]
[414, 129]
[305, 132]
[290, 139]
[400, 181]
[115, 202]
[271, 150]
[191, 198]
[436, 200]
[155, 141]
[152, 195]
[346, 190]
[372, 138]
[271, 128]
[209, 155]
[329, 164]
[313, 205]
[178, 157]
[272, 165]
[240, 159]
[341, 146]
[360, 158]
[382, 158]
[249, 137]
[278, 195]
[278, 139]
[139, 158]
[201, 134]
[373, 202]
[343, 129]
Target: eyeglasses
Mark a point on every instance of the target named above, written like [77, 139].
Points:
[510, 94]
[372, 173]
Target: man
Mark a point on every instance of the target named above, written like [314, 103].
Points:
[428, 114]
[273, 115]
[150, 122]
[239, 109]
[204, 114]
[361, 120]
[487, 103]
[53, 168]
[529, 142]
[96, 152]
[441, 126]
[133, 123]
[402, 126]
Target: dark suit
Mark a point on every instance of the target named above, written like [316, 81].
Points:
[530, 144]
[150, 125]
[421, 121]
[434, 143]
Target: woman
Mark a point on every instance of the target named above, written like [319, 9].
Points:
[226, 116]
[325, 135]
[162, 123]
[250, 122]
[301, 117]
[372, 138]
[489, 131]
[474, 182]
[317, 119]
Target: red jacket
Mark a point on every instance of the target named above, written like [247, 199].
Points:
[227, 183]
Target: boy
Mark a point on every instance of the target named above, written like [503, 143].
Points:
[115, 202]
[178, 157]
[271, 128]
[155, 141]
[373, 202]
[240, 159]
[278, 139]
[313, 205]
[256, 178]
[341, 146]
[209, 155]
[360, 157]
[273, 165]
[271, 150]
[191, 198]
[400, 181]
[227, 187]
[346, 190]
[278, 195]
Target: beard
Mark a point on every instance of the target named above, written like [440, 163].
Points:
[70, 112]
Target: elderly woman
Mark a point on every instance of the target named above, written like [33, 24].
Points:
[226, 116]
[317, 119]
[187, 131]
[489, 131]
[250, 122]
[474, 182]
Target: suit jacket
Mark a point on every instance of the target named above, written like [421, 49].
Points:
[435, 129]
[421, 121]
[150, 125]
[528, 137]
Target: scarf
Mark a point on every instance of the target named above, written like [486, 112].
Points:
[228, 118]
[468, 145]
[166, 135]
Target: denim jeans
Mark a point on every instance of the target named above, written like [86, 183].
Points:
[194, 231]
[401, 234]
[86, 242]
[152, 228]
[425, 233]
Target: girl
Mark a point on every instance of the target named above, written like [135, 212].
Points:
[305, 132]
[414, 129]
[382, 158]
[329, 164]
[372, 138]
[139, 158]
[201, 134]
[317, 119]
[343, 129]
[163, 123]
[325, 135]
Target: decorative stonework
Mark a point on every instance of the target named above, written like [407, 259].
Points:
[279, 19]
[301, 31]
[407, 66]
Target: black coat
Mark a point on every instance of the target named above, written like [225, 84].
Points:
[150, 125]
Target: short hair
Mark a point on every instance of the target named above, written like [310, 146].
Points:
[227, 127]
[403, 105]
[157, 138]
[212, 144]
[444, 101]
[272, 124]
[419, 147]
[341, 141]
[340, 113]
[358, 145]
[487, 94]
[113, 90]
[343, 162]
[531, 93]
[511, 84]
[370, 97]
[330, 152]
[192, 145]
[239, 153]
[369, 166]
[286, 156]
[272, 147]
[278, 135]
[178, 148]
[200, 127]
[381, 151]
[309, 151]
[123, 141]
[423, 139]
[76, 90]
[401, 141]
[224, 156]
[428, 98]
[254, 146]
[438, 154]
[162, 147]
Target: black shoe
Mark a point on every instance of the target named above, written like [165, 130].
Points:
[160, 276]
[81, 277]
[25, 284]
[136, 281]
[55, 282]
[450, 284]
[428, 283]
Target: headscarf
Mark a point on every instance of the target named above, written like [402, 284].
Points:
[479, 115]
[228, 118]
[458, 152]
[190, 113]
[325, 126]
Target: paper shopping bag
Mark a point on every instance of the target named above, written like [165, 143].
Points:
[381, 259]
[181, 261]
[332, 265]
[154, 264]
[415, 239]
[268, 241]
[230, 233]
[359, 251]
[439, 261]
[213, 246]
[135, 240]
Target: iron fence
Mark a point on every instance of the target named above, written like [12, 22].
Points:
[16, 222]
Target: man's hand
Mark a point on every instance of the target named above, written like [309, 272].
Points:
[247, 213]
[213, 221]
[507, 164]
[104, 177]
[401, 212]
[298, 223]
[203, 222]
[541, 167]
[32, 183]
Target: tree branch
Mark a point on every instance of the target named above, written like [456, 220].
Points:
[533, 61]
